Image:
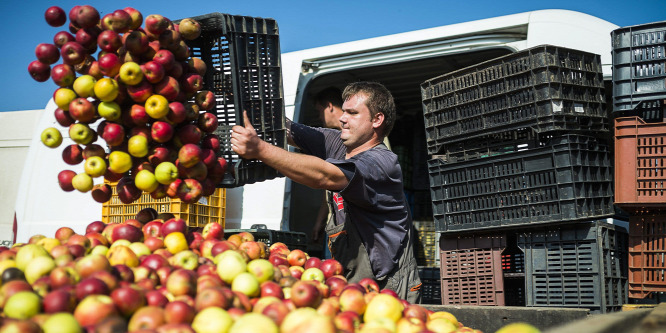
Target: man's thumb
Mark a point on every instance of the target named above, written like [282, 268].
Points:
[246, 121]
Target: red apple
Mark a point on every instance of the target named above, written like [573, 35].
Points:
[47, 53]
[190, 191]
[189, 155]
[168, 87]
[63, 117]
[109, 64]
[55, 16]
[305, 294]
[161, 131]
[179, 312]
[139, 94]
[128, 232]
[331, 267]
[174, 225]
[128, 300]
[207, 122]
[86, 16]
[91, 286]
[296, 257]
[63, 75]
[65, 180]
[72, 53]
[59, 300]
[164, 58]
[213, 230]
[62, 37]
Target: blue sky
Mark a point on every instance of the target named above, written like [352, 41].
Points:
[303, 25]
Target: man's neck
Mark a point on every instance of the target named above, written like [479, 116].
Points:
[359, 149]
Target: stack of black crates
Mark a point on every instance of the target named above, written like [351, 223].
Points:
[639, 95]
[521, 180]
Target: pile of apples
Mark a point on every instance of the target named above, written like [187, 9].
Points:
[151, 275]
[139, 90]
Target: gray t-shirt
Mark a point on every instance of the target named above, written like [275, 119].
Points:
[374, 196]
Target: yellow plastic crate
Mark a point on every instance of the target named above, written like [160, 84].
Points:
[427, 250]
[210, 208]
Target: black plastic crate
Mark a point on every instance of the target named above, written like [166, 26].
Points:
[576, 265]
[570, 179]
[293, 239]
[242, 55]
[545, 88]
[431, 285]
[639, 70]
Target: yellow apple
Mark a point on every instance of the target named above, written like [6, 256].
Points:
[383, 306]
[63, 96]
[120, 161]
[106, 89]
[175, 242]
[84, 86]
[157, 106]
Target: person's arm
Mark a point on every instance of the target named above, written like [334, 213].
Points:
[305, 169]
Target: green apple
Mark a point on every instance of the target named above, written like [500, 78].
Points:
[106, 89]
[120, 242]
[51, 137]
[63, 96]
[313, 273]
[166, 173]
[95, 166]
[100, 249]
[39, 267]
[84, 86]
[186, 259]
[81, 133]
[23, 305]
[246, 283]
[61, 322]
[109, 110]
[130, 73]
[27, 253]
[212, 320]
[83, 182]
[138, 146]
[229, 265]
[140, 249]
[120, 161]
[255, 323]
[146, 181]
[157, 106]
[262, 269]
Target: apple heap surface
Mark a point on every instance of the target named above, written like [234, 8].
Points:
[146, 275]
[133, 84]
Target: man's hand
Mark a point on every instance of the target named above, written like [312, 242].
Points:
[244, 139]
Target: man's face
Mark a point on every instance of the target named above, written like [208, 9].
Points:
[327, 116]
[356, 123]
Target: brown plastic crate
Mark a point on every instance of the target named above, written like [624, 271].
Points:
[471, 269]
[640, 172]
[647, 255]
[210, 208]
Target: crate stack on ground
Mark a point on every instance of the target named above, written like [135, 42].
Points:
[520, 143]
[639, 95]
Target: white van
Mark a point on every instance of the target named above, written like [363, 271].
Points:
[401, 62]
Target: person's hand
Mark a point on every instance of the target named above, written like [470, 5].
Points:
[317, 229]
[244, 139]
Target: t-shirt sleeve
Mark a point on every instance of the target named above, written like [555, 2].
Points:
[315, 141]
[367, 177]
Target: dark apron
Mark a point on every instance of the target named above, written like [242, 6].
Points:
[347, 247]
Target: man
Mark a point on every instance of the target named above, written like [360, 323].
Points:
[371, 234]
[328, 104]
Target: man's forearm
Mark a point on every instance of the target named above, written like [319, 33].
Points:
[304, 169]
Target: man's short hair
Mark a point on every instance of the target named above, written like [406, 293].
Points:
[379, 99]
[330, 94]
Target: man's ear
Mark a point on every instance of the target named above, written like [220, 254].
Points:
[377, 120]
